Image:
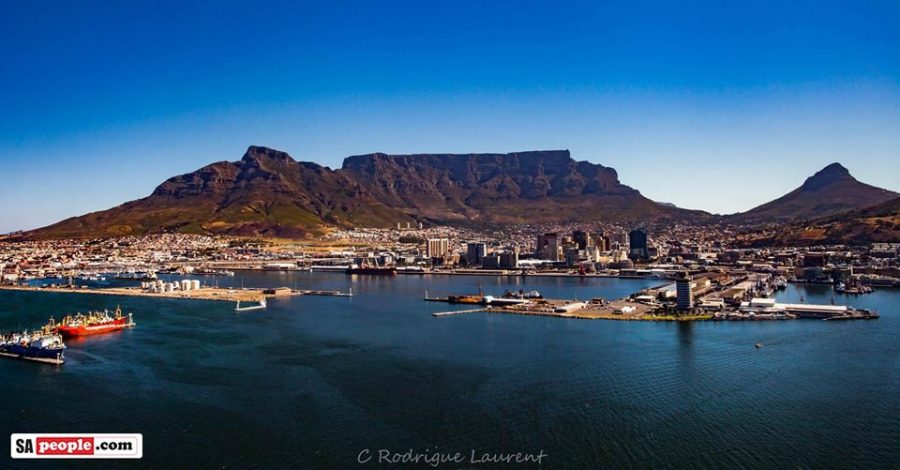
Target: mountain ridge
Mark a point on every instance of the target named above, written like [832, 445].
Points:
[268, 193]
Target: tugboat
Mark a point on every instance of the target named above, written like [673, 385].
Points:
[43, 346]
[92, 323]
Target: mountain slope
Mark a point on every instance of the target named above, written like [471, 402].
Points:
[874, 224]
[268, 193]
[831, 190]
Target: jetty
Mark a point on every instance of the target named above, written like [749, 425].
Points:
[261, 305]
[460, 312]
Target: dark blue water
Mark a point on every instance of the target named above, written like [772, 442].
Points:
[312, 381]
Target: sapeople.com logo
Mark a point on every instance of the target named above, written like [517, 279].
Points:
[76, 446]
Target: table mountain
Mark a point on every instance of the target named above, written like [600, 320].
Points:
[268, 193]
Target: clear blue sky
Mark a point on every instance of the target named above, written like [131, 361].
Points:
[102, 101]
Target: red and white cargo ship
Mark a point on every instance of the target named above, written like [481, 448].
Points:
[91, 323]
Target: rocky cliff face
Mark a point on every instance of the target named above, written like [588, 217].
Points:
[514, 187]
[268, 193]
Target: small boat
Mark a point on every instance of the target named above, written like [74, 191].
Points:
[262, 304]
[43, 346]
[758, 345]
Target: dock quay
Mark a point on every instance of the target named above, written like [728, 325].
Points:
[204, 293]
[247, 295]
[460, 312]
[630, 310]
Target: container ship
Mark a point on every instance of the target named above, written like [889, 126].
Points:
[43, 346]
[92, 323]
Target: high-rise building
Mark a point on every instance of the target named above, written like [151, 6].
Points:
[475, 251]
[548, 246]
[582, 238]
[684, 295]
[438, 247]
[510, 259]
[601, 241]
[637, 244]
[573, 254]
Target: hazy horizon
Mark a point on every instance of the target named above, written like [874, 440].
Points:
[706, 106]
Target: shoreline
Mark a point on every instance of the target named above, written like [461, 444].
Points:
[205, 293]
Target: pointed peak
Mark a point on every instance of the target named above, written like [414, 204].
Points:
[830, 174]
[835, 168]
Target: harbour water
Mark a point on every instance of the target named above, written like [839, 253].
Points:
[313, 381]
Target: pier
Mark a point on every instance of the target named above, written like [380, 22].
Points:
[460, 312]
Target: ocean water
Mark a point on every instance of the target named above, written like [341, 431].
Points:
[311, 382]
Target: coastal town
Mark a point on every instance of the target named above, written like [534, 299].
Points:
[701, 275]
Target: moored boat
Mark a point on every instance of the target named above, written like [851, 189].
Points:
[92, 323]
[43, 346]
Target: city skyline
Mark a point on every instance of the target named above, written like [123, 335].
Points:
[120, 99]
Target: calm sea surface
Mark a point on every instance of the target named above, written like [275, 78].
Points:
[312, 381]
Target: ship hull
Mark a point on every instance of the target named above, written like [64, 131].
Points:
[373, 271]
[28, 353]
[88, 330]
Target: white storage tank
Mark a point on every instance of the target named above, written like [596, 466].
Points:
[195, 284]
[185, 284]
